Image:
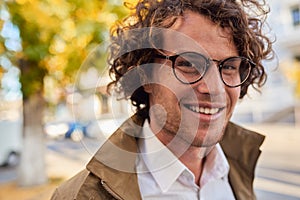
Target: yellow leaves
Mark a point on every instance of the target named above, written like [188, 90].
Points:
[130, 3]
[292, 70]
[55, 63]
[89, 10]
[22, 2]
[59, 8]
[83, 40]
[47, 14]
[44, 35]
[57, 46]
[2, 49]
[62, 52]
[34, 14]
[81, 13]
[52, 91]
[107, 18]
[60, 33]
[1, 24]
[62, 47]
[297, 79]
[68, 31]
[1, 71]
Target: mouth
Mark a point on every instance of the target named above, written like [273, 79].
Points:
[204, 110]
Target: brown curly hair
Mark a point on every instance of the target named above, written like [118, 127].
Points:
[245, 19]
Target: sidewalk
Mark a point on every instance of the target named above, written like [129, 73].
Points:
[59, 168]
[11, 191]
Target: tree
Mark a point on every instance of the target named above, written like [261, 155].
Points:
[56, 37]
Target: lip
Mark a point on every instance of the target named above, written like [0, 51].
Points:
[206, 117]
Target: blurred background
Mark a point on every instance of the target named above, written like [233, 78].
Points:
[55, 111]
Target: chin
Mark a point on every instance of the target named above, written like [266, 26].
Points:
[209, 137]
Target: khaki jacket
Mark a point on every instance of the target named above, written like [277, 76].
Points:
[110, 173]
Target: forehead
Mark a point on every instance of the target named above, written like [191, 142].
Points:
[195, 32]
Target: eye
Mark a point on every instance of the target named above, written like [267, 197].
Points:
[229, 67]
[185, 63]
[189, 67]
[232, 65]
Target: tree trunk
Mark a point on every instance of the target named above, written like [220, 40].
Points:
[32, 169]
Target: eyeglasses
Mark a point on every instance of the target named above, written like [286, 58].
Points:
[190, 67]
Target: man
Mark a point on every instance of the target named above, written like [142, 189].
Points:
[184, 64]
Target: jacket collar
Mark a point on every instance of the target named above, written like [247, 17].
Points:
[240, 146]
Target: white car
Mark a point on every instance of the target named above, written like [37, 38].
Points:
[10, 142]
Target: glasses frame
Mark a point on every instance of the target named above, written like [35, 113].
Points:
[207, 65]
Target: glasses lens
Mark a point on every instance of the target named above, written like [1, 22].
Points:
[190, 67]
[235, 71]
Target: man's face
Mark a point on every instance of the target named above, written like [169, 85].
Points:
[196, 114]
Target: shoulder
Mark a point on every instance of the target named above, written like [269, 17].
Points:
[242, 146]
[70, 188]
[84, 185]
[236, 135]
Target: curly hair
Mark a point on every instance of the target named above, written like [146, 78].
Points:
[245, 19]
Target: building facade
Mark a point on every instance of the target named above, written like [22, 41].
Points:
[278, 101]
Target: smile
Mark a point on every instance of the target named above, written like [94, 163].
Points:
[203, 110]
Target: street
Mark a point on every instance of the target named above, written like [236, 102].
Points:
[277, 174]
[278, 171]
[277, 184]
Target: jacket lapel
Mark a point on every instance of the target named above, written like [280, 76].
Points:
[119, 170]
[242, 149]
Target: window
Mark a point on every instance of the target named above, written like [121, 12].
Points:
[296, 15]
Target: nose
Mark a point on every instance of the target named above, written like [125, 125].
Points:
[211, 83]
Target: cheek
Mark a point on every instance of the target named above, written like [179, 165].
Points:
[163, 75]
[233, 96]
[166, 87]
[162, 95]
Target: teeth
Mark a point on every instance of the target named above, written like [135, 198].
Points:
[202, 110]
[207, 111]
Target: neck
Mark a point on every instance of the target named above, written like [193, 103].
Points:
[191, 156]
[194, 158]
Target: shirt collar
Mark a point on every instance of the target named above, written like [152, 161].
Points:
[215, 167]
[158, 159]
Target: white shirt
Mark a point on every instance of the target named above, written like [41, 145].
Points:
[162, 176]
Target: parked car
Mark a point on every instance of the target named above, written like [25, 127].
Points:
[10, 142]
[76, 131]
